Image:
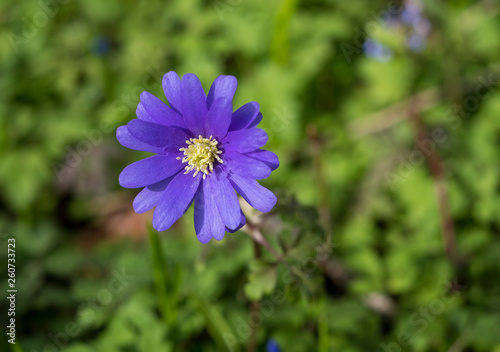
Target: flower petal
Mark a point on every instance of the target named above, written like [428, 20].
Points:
[129, 141]
[207, 220]
[219, 118]
[168, 137]
[244, 116]
[160, 112]
[149, 197]
[193, 102]
[223, 87]
[256, 121]
[172, 88]
[245, 166]
[225, 198]
[267, 157]
[245, 141]
[176, 200]
[142, 114]
[243, 221]
[257, 196]
[151, 170]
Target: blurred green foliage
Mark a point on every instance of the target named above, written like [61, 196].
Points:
[358, 220]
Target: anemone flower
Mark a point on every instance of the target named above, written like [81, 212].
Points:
[204, 153]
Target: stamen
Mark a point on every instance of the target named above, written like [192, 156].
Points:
[200, 155]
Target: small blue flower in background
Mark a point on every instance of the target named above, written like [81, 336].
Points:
[417, 28]
[419, 25]
[411, 13]
[100, 45]
[416, 42]
[377, 51]
[204, 153]
[422, 27]
[272, 346]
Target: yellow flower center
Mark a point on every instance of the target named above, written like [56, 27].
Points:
[200, 155]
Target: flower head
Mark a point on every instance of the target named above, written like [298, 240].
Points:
[272, 346]
[205, 153]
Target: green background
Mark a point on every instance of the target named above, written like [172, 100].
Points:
[361, 208]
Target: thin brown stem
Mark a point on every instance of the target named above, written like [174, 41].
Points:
[316, 145]
[460, 343]
[392, 115]
[436, 167]
[417, 103]
[256, 234]
[254, 306]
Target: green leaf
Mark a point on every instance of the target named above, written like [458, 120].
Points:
[167, 299]
[262, 279]
[16, 347]
[217, 325]
[323, 341]
[280, 44]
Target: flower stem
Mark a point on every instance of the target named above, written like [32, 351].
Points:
[254, 306]
[256, 234]
[438, 175]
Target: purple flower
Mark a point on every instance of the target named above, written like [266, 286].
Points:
[411, 13]
[272, 346]
[377, 51]
[416, 42]
[204, 153]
